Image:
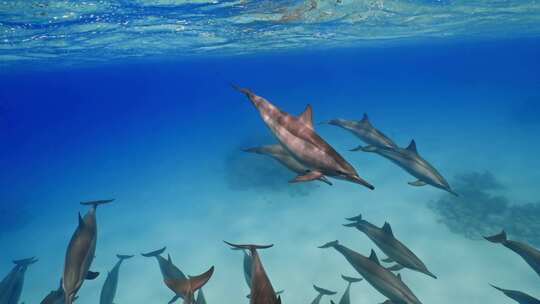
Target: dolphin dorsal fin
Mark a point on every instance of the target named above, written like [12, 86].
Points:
[307, 116]
[412, 147]
[373, 257]
[169, 258]
[387, 229]
[365, 118]
[81, 221]
[399, 276]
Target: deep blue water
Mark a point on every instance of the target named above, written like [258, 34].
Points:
[163, 137]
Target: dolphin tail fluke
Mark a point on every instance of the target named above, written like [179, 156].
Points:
[97, 203]
[189, 286]
[25, 262]
[351, 279]
[498, 238]
[250, 247]
[357, 218]
[323, 291]
[124, 257]
[154, 253]
[330, 244]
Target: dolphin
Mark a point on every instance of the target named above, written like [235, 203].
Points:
[262, 291]
[346, 298]
[168, 269]
[382, 279]
[11, 286]
[188, 286]
[298, 137]
[321, 293]
[200, 297]
[247, 262]
[55, 296]
[80, 253]
[518, 296]
[392, 247]
[281, 155]
[527, 252]
[364, 130]
[414, 164]
[108, 291]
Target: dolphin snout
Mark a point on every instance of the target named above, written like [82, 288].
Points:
[358, 180]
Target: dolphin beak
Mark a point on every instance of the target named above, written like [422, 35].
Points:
[361, 181]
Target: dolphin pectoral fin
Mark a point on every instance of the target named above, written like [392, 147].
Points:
[396, 267]
[359, 148]
[387, 260]
[176, 297]
[325, 180]
[417, 183]
[311, 175]
[91, 275]
[368, 148]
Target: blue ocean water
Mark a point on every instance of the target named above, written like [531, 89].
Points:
[161, 132]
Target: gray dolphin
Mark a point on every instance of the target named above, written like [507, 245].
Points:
[298, 137]
[80, 252]
[527, 252]
[55, 296]
[518, 296]
[247, 264]
[346, 298]
[414, 164]
[392, 247]
[364, 130]
[321, 292]
[168, 269]
[11, 286]
[382, 279]
[200, 297]
[188, 286]
[262, 291]
[285, 158]
[108, 291]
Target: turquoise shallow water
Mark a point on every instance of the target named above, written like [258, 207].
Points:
[82, 119]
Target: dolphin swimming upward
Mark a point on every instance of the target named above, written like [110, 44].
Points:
[108, 292]
[247, 264]
[55, 296]
[346, 298]
[281, 155]
[392, 247]
[11, 286]
[527, 252]
[518, 296]
[414, 164]
[188, 286]
[321, 293]
[298, 137]
[80, 253]
[168, 269]
[364, 130]
[382, 279]
[262, 291]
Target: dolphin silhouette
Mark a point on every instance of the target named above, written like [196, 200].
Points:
[80, 253]
[364, 130]
[414, 164]
[527, 252]
[321, 292]
[12, 285]
[392, 247]
[108, 291]
[167, 268]
[346, 298]
[298, 137]
[188, 286]
[382, 279]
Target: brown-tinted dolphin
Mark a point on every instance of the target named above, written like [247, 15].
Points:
[528, 253]
[414, 164]
[55, 296]
[298, 137]
[168, 269]
[346, 298]
[382, 279]
[364, 130]
[11, 286]
[392, 247]
[247, 265]
[285, 158]
[518, 296]
[108, 291]
[80, 253]
[262, 291]
[188, 286]
[321, 292]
